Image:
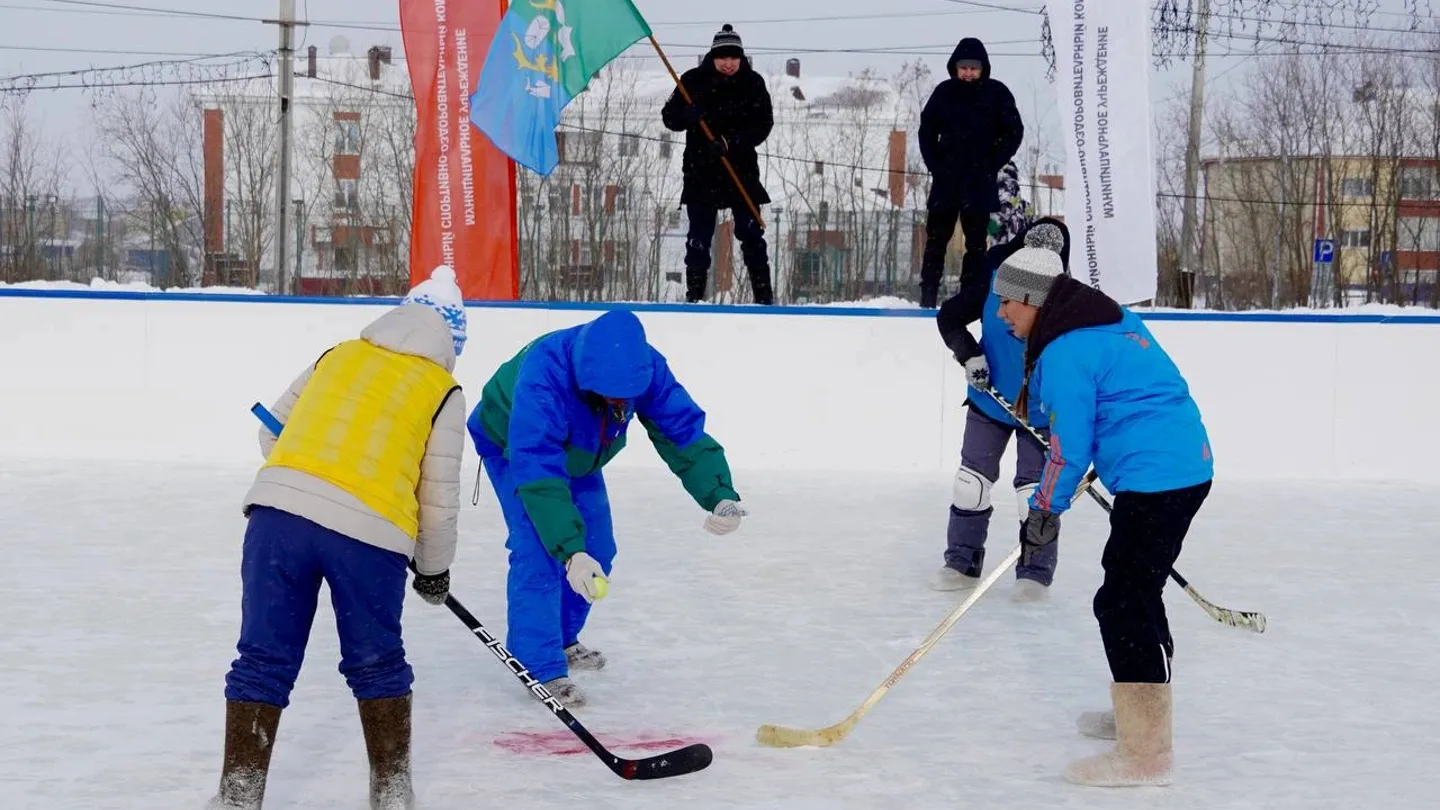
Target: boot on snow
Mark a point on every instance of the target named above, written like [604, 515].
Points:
[1143, 751]
[386, 724]
[249, 740]
[578, 656]
[565, 691]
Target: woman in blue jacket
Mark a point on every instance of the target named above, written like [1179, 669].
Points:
[1113, 397]
[995, 360]
[548, 420]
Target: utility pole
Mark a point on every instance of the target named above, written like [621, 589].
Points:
[1192, 161]
[282, 180]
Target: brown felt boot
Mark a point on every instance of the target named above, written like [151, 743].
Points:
[249, 739]
[386, 723]
[1143, 749]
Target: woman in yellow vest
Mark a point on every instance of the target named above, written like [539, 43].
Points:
[364, 478]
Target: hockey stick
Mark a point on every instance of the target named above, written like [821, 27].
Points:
[1244, 619]
[786, 737]
[689, 759]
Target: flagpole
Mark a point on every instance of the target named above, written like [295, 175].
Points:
[705, 128]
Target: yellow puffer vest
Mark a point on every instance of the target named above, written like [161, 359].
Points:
[362, 423]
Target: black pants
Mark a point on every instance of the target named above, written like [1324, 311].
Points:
[752, 249]
[1146, 532]
[939, 228]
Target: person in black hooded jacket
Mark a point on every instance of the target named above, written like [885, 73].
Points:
[970, 128]
[734, 102]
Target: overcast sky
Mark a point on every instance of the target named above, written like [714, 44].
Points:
[814, 30]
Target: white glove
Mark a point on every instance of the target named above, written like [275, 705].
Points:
[977, 372]
[586, 577]
[725, 518]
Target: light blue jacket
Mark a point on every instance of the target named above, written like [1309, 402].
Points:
[1114, 398]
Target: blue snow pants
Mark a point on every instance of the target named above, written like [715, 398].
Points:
[544, 615]
[286, 557]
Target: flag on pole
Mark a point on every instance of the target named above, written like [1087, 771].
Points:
[543, 55]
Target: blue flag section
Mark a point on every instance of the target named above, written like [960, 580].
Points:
[542, 56]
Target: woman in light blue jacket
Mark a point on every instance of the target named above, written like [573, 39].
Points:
[1113, 397]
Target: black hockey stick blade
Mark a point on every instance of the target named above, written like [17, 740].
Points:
[691, 758]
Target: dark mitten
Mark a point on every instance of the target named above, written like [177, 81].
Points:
[1041, 529]
[433, 588]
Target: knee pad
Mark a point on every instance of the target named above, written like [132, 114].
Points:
[1022, 500]
[971, 491]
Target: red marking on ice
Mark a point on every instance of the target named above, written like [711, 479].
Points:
[563, 743]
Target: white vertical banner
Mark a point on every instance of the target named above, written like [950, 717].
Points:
[1102, 79]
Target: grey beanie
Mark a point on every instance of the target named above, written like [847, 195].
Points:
[726, 43]
[1028, 275]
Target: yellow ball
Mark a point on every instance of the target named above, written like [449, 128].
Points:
[602, 587]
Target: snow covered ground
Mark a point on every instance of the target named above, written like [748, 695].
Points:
[120, 608]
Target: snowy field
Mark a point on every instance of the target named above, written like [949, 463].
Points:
[121, 606]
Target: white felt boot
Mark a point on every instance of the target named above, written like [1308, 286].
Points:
[1143, 750]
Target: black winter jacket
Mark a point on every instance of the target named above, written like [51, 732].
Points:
[736, 108]
[969, 130]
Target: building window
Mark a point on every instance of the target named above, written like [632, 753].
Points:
[1357, 187]
[347, 195]
[673, 220]
[347, 137]
[666, 147]
[1418, 183]
[1418, 234]
[622, 255]
[344, 260]
[629, 146]
[1355, 239]
[578, 147]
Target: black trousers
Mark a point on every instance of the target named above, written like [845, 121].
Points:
[752, 249]
[939, 229]
[1146, 532]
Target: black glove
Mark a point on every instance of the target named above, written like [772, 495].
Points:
[1040, 530]
[433, 588]
[719, 147]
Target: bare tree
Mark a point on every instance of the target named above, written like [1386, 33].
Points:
[153, 148]
[33, 213]
[251, 139]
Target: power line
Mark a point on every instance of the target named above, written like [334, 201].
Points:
[166, 11]
[251, 56]
[147, 83]
[110, 52]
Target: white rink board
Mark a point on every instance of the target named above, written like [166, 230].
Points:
[168, 377]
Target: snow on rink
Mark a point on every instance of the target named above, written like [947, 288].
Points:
[120, 609]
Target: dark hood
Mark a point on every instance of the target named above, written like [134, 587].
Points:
[970, 48]
[1070, 305]
[612, 357]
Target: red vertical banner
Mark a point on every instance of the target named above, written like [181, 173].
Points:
[464, 208]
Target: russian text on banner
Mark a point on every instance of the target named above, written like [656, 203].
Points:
[464, 197]
[1102, 52]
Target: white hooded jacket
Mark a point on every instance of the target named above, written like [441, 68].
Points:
[408, 329]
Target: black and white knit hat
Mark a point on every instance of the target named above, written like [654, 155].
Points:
[1028, 275]
[727, 43]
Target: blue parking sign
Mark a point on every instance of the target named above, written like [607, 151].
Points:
[1324, 251]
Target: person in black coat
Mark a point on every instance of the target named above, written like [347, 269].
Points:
[734, 102]
[970, 128]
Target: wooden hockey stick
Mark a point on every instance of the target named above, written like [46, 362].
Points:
[1243, 619]
[785, 737]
